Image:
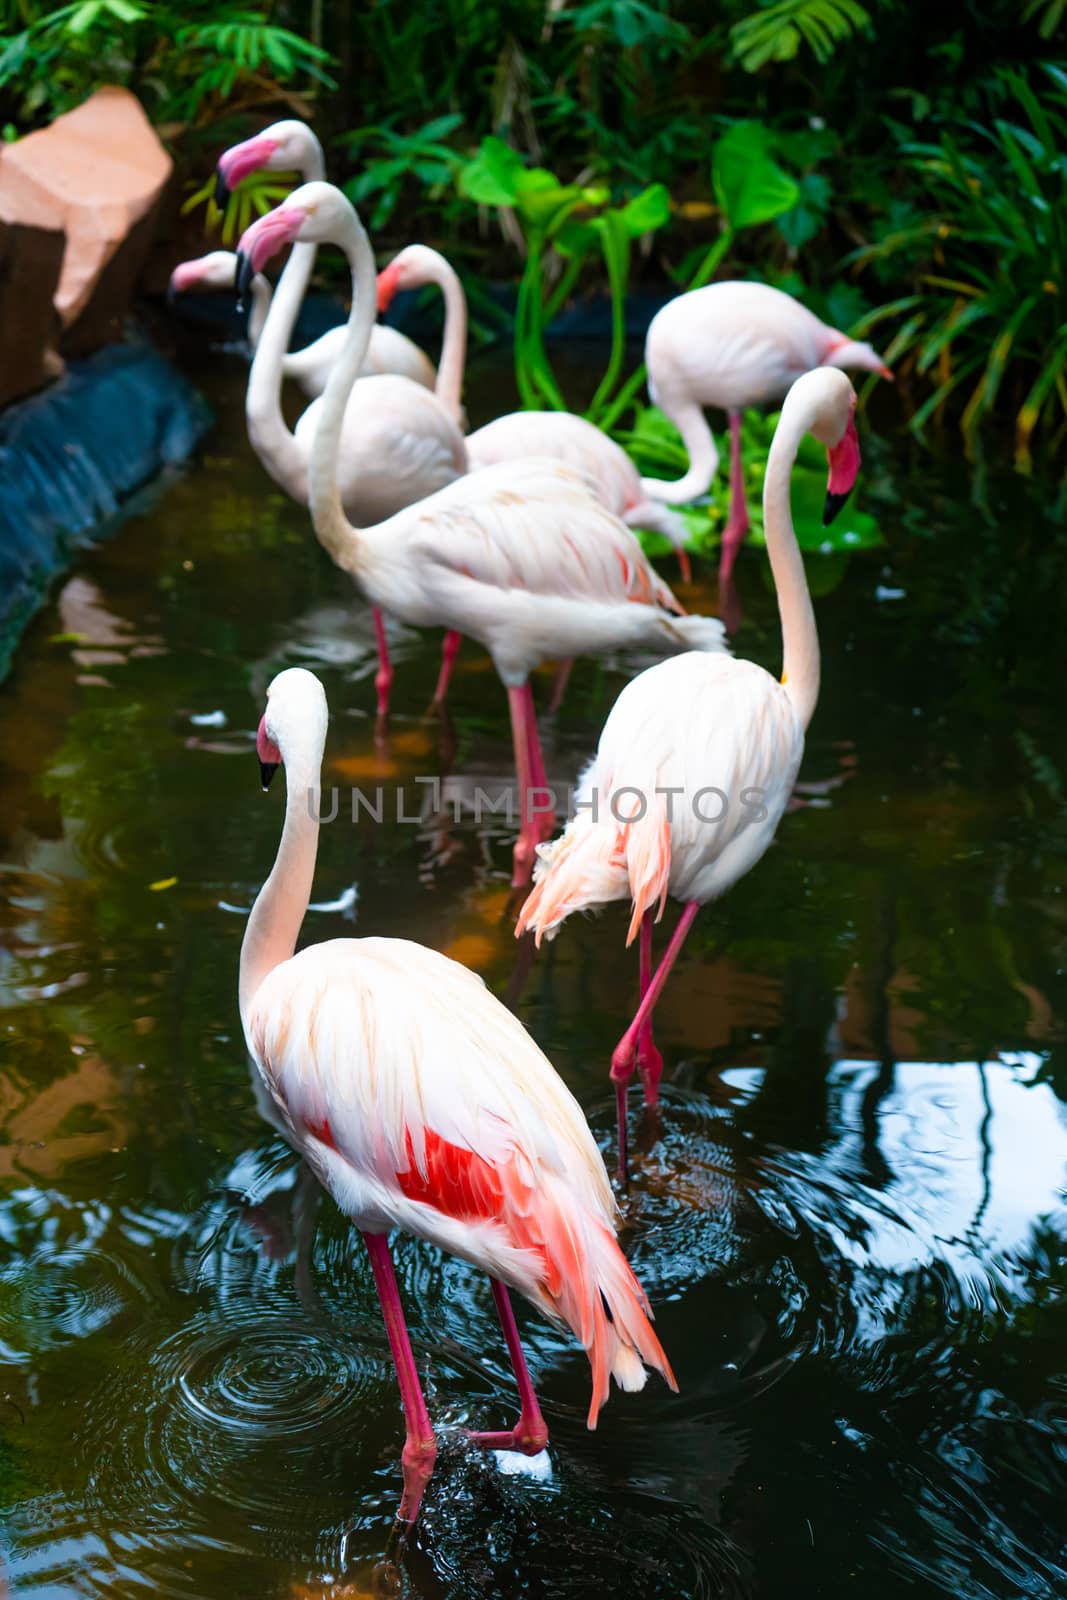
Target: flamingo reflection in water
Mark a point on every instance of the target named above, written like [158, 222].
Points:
[421, 1103]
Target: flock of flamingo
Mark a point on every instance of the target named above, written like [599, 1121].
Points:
[418, 1099]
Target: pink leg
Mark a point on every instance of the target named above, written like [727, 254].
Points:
[384, 676]
[649, 1060]
[684, 566]
[519, 704]
[544, 820]
[622, 1060]
[449, 651]
[737, 522]
[530, 1435]
[559, 686]
[420, 1448]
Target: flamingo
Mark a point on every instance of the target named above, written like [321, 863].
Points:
[520, 557]
[567, 438]
[699, 754]
[421, 1103]
[290, 146]
[308, 367]
[399, 443]
[733, 345]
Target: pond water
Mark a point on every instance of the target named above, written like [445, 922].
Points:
[851, 1227]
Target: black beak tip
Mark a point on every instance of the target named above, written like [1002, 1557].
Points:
[267, 769]
[242, 278]
[222, 192]
[172, 294]
[833, 505]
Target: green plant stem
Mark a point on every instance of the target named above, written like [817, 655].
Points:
[618, 273]
[561, 293]
[626, 395]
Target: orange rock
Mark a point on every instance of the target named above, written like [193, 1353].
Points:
[96, 174]
[30, 262]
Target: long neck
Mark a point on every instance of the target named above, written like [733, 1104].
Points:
[260, 307]
[271, 439]
[275, 920]
[450, 368]
[697, 437]
[800, 642]
[335, 533]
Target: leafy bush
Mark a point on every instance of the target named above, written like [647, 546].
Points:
[983, 238]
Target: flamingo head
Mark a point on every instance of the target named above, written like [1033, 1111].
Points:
[313, 214]
[415, 265]
[855, 353]
[828, 401]
[296, 711]
[288, 146]
[213, 271]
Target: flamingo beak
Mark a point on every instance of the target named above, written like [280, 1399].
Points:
[886, 372]
[844, 465]
[264, 239]
[270, 757]
[388, 284]
[182, 278]
[237, 163]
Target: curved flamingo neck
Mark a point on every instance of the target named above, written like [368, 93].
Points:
[260, 307]
[450, 368]
[276, 918]
[800, 641]
[271, 439]
[699, 442]
[343, 542]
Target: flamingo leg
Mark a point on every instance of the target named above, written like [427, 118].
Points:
[622, 1059]
[530, 1434]
[544, 818]
[449, 651]
[737, 522]
[420, 1447]
[685, 566]
[649, 1060]
[524, 739]
[559, 686]
[384, 676]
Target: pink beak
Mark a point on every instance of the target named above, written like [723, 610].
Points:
[270, 757]
[267, 235]
[388, 284]
[238, 162]
[844, 465]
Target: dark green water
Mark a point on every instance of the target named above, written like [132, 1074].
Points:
[852, 1228]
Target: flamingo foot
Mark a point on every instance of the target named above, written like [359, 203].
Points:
[529, 1436]
[417, 1458]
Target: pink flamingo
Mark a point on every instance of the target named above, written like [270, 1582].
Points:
[421, 1103]
[290, 146]
[566, 438]
[698, 756]
[390, 351]
[522, 557]
[733, 345]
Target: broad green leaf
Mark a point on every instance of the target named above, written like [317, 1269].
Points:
[647, 211]
[489, 179]
[749, 184]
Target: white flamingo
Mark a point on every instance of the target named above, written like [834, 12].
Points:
[421, 1103]
[698, 756]
[521, 558]
[733, 345]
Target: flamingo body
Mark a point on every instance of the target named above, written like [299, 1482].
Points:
[423, 1104]
[576, 442]
[731, 771]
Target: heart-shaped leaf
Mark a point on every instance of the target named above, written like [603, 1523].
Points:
[490, 177]
[647, 211]
[749, 184]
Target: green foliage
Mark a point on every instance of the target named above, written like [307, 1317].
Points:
[656, 446]
[776, 32]
[253, 197]
[184, 61]
[388, 157]
[986, 255]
